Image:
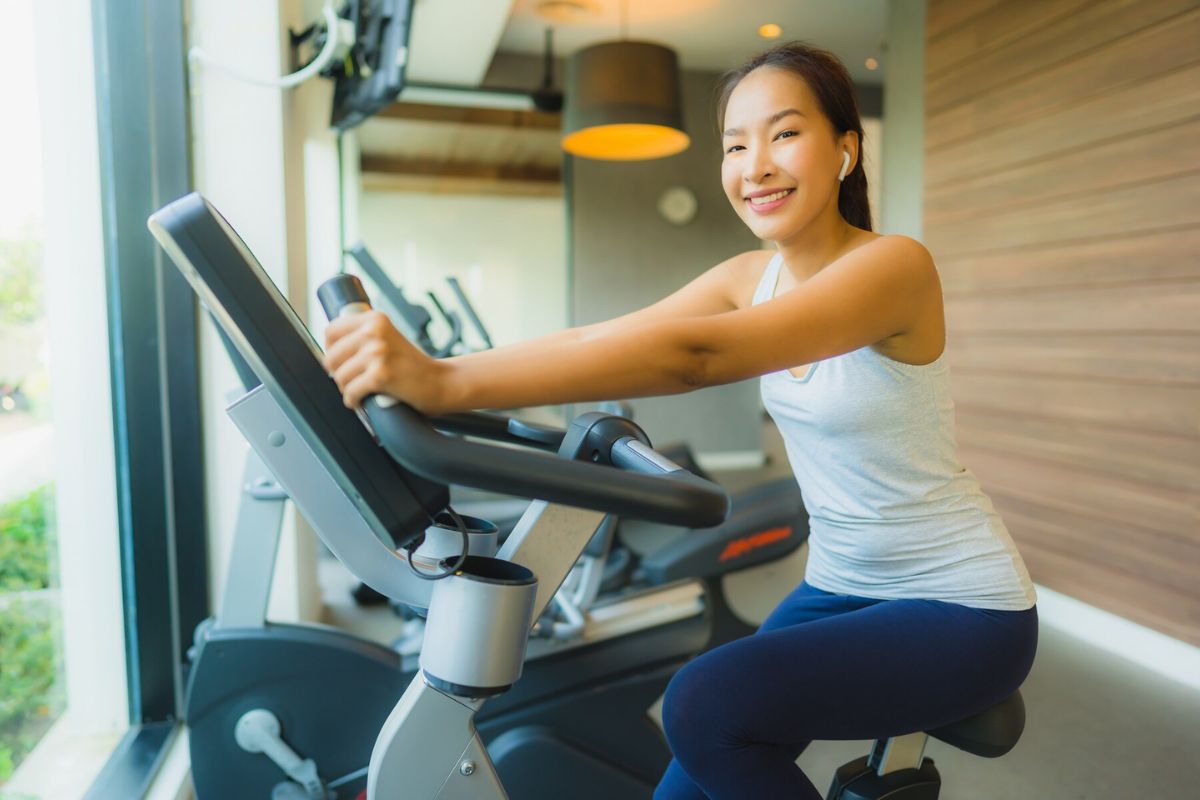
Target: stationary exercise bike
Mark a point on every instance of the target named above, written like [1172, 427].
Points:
[292, 710]
[436, 741]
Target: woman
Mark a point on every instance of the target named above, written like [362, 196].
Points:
[916, 609]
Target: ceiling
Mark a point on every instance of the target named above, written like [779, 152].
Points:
[454, 41]
[713, 35]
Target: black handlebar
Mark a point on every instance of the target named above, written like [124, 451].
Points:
[657, 491]
[500, 428]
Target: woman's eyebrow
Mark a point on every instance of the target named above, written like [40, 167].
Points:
[770, 120]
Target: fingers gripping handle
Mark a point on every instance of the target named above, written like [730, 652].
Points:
[341, 297]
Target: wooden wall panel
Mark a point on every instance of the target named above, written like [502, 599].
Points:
[942, 18]
[1162, 306]
[994, 27]
[1023, 38]
[1138, 356]
[1164, 408]
[1151, 155]
[1124, 210]
[1168, 44]
[1062, 205]
[1141, 456]
[1163, 254]
[1161, 100]
[1113, 506]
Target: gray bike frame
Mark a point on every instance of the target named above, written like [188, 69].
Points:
[428, 747]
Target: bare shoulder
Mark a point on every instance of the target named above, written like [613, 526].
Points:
[911, 272]
[900, 252]
[743, 273]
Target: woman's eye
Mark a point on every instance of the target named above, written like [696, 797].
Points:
[785, 134]
[731, 148]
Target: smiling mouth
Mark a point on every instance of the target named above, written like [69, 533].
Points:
[770, 198]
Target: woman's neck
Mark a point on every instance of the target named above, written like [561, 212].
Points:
[817, 245]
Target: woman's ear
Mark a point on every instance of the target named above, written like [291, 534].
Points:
[850, 145]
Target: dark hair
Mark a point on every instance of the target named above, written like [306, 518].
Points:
[831, 83]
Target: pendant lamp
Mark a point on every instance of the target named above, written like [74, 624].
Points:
[623, 102]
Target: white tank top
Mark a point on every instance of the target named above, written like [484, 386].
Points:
[892, 512]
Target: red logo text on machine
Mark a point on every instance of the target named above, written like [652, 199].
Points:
[740, 547]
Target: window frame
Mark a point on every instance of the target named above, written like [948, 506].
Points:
[142, 117]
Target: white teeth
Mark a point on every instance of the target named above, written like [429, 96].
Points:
[769, 198]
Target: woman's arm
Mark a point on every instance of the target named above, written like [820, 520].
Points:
[867, 296]
[368, 343]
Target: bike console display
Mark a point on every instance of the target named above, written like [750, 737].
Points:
[269, 335]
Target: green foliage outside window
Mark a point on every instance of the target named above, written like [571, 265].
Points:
[27, 548]
[31, 696]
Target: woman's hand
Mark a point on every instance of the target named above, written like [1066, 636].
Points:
[366, 355]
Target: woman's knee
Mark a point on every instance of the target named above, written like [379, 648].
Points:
[689, 708]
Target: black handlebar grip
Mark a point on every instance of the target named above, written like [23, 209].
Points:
[337, 293]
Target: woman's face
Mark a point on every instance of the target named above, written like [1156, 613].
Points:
[782, 156]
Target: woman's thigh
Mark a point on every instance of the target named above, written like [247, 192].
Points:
[890, 668]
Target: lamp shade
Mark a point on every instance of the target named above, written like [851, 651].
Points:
[623, 102]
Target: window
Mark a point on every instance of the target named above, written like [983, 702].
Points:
[32, 680]
[62, 669]
[94, 141]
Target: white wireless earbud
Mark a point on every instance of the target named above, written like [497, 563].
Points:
[845, 165]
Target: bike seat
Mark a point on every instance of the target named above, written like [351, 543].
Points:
[990, 733]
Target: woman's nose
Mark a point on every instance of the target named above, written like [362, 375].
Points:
[758, 167]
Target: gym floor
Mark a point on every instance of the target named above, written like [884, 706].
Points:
[1098, 727]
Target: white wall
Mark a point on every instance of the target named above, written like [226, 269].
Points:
[508, 252]
[256, 150]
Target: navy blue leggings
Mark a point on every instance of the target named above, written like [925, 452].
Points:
[832, 667]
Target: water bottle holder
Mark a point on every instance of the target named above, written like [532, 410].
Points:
[478, 626]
